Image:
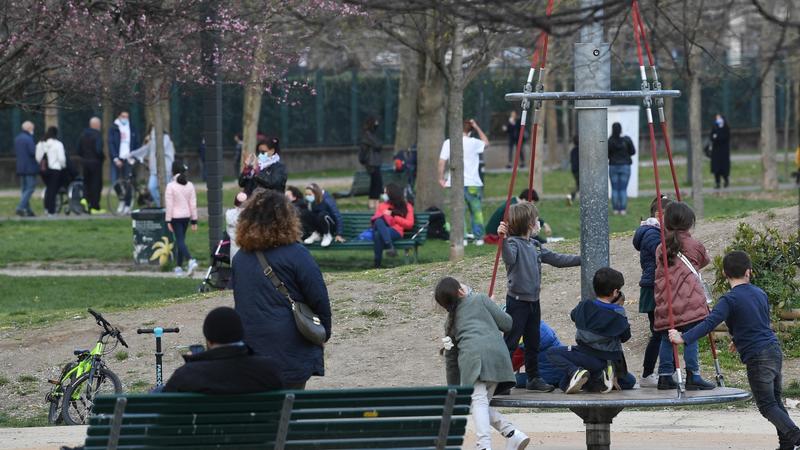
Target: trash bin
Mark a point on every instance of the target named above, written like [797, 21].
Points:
[152, 241]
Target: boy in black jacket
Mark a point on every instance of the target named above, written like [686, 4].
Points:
[745, 310]
[602, 327]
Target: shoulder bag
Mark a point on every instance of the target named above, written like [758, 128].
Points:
[307, 322]
[703, 284]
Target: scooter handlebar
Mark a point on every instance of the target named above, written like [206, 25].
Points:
[153, 330]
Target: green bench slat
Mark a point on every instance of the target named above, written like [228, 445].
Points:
[354, 223]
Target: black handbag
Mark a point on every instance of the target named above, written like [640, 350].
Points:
[307, 322]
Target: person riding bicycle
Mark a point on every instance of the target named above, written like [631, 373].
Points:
[228, 366]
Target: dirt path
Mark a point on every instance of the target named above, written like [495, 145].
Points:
[386, 330]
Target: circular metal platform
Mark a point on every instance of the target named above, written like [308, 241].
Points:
[598, 410]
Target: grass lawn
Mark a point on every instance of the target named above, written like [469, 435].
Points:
[36, 300]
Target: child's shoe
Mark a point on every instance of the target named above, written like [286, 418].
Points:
[696, 383]
[649, 381]
[178, 272]
[608, 379]
[517, 441]
[326, 240]
[538, 385]
[576, 382]
[191, 267]
[665, 383]
[315, 237]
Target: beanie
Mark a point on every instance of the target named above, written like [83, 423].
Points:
[223, 326]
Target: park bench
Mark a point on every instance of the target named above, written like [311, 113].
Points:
[360, 184]
[391, 418]
[354, 223]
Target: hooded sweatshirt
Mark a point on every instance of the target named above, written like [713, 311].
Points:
[601, 329]
[523, 258]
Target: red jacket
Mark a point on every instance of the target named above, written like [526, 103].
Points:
[397, 223]
[688, 299]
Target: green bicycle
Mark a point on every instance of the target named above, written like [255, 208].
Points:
[72, 396]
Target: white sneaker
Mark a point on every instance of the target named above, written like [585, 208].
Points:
[192, 266]
[469, 236]
[466, 242]
[315, 237]
[120, 207]
[127, 210]
[579, 378]
[178, 272]
[479, 242]
[326, 240]
[518, 441]
[649, 381]
[608, 379]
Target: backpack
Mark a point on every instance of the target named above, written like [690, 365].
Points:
[437, 224]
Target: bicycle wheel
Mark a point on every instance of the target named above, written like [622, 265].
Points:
[116, 196]
[79, 398]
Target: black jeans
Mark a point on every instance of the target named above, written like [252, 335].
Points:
[375, 182]
[181, 250]
[526, 317]
[717, 176]
[653, 346]
[52, 179]
[764, 376]
[324, 224]
[93, 182]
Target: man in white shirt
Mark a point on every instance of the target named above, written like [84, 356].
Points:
[473, 186]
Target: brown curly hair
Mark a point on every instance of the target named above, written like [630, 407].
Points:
[268, 221]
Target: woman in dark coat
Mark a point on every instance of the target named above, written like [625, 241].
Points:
[369, 155]
[269, 224]
[265, 169]
[720, 150]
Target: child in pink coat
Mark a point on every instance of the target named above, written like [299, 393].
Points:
[181, 212]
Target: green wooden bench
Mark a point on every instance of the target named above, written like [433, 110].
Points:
[354, 223]
[360, 184]
[390, 418]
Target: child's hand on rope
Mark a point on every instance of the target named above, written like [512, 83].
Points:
[502, 229]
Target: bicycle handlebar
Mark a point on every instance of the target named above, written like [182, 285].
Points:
[155, 330]
[109, 329]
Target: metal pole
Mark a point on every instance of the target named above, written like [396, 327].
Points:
[593, 74]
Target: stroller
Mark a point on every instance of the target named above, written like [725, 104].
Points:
[218, 274]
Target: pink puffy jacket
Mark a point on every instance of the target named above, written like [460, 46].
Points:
[181, 201]
[688, 299]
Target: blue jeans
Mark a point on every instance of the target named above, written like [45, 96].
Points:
[382, 238]
[27, 186]
[568, 360]
[472, 207]
[152, 186]
[764, 376]
[181, 250]
[619, 175]
[525, 324]
[666, 364]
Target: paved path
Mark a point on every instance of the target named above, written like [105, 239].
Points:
[739, 429]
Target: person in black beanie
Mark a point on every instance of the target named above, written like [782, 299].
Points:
[228, 366]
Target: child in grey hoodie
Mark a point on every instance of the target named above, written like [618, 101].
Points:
[523, 257]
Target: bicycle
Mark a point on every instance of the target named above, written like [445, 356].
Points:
[82, 380]
[140, 195]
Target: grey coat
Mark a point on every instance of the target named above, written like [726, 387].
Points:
[523, 258]
[481, 352]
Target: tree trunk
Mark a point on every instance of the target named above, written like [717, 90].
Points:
[51, 110]
[455, 118]
[767, 139]
[108, 115]
[158, 125]
[696, 139]
[787, 110]
[796, 142]
[408, 95]
[430, 130]
[251, 113]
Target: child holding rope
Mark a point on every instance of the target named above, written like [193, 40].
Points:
[646, 240]
[685, 256]
[745, 310]
[473, 325]
[523, 257]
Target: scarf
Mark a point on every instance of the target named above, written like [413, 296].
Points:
[270, 161]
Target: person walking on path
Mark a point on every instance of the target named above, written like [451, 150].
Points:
[512, 128]
[122, 138]
[370, 156]
[180, 212]
[269, 226]
[90, 149]
[745, 310]
[720, 151]
[473, 186]
[50, 153]
[148, 151]
[620, 150]
[27, 168]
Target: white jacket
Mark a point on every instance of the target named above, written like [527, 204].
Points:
[56, 156]
[149, 151]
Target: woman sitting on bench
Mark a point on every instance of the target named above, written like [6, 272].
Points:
[325, 217]
[393, 217]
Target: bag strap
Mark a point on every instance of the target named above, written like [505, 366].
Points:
[689, 265]
[273, 277]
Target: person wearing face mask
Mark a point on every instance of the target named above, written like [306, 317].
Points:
[325, 217]
[370, 156]
[720, 151]
[393, 217]
[264, 169]
[523, 257]
[303, 212]
[122, 139]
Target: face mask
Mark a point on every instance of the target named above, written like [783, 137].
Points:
[123, 121]
[384, 197]
[263, 158]
[310, 198]
[720, 122]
